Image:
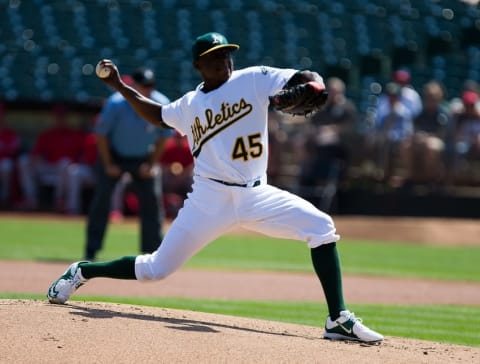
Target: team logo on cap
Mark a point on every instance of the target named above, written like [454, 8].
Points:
[217, 39]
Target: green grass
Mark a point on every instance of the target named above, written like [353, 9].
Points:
[24, 239]
[39, 239]
[31, 239]
[440, 323]
[379, 259]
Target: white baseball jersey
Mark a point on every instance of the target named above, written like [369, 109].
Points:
[227, 132]
[227, 128]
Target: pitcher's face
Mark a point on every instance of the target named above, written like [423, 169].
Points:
[215, 67]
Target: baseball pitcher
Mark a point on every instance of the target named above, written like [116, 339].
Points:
[225, 121]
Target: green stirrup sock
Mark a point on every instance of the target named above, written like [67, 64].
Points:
[123, 268]
[327, 266]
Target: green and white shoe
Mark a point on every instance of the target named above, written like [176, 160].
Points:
[61, 290]
[349, 327]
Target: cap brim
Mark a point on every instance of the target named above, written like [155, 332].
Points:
[233, 47]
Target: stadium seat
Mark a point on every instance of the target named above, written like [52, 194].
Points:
[351, 39]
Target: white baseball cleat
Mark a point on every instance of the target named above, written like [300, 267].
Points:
[349, 327]
[61, 290]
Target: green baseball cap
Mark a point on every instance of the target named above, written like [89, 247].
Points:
[210, 42]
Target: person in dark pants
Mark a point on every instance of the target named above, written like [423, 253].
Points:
[128, 144]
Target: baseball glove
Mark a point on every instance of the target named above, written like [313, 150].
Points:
[303, 99]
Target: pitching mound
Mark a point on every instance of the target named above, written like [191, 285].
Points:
[85, 332]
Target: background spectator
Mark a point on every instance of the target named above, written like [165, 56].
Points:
[177, 173]
[327, 143]
[432, 138]
[456, 104]
[81, 175]
[467, 138]
[54, 150]
[408, 95]
[394, 129]
[276, 144]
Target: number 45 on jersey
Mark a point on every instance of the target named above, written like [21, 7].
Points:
[246, 147]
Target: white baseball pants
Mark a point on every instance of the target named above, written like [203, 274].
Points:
[213, 209]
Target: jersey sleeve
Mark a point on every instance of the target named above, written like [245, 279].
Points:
[173, 117]
[270, 80]
[163, 100]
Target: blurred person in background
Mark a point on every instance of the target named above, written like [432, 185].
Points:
[328, 139]
[128, 144]
[330, 131]
[81, 175]
[46, 165]
[409, 97]
[177, 173]
[276, 145]
[392, 139]
[457, 104]
[432, 138]
[467, 139]
[9, 149]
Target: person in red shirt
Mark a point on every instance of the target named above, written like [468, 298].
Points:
[80, 175]
[177, 165]
[9, 149]
[177, 173]
[46, 165]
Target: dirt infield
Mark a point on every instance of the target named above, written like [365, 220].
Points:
[37, 332]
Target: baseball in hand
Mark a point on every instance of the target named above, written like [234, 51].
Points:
[101, 71]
